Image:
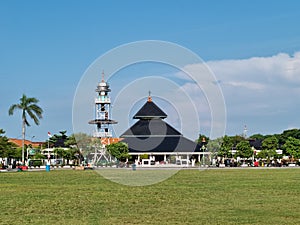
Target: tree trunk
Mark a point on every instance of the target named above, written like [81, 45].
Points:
[23, 141]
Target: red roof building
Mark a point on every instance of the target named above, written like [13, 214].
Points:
[18, 142]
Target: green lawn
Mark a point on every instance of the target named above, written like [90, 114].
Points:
[221, 196]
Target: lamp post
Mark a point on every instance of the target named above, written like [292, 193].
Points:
[27, 155]
[203, 148]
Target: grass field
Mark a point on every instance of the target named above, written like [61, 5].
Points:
[221, 196]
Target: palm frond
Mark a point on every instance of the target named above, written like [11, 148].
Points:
[12, 109]
[36, 110]
[32, 100]
[33, 116]
[26, 122]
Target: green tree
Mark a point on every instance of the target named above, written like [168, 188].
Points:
[60, 153]
[257, 137]
[214, 146]
[58, 140]
[71, 141]
[69, 155]
[226, 146]
[85, 143]
[244, 149]
[269, 147]
[28, 106]
[295, 133]
[6, 148]
[73, 154]
[202, 138]
[38, 156]
[292, 147]
[16, 153]
[237, 139]
[119, 150]
[283, 137]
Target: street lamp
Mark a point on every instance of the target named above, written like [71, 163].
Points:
[28, 149]
[203, 148]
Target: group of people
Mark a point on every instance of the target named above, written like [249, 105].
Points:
[3, 165]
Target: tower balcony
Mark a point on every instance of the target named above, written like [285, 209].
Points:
[102, 100]
[102, 134]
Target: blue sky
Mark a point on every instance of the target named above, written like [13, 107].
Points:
[46, 46]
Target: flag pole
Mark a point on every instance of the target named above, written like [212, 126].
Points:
[49, 136]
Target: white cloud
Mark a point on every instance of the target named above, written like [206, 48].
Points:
[259, 91]
[249, 85]
[274, 69]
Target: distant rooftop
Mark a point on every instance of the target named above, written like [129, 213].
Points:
[18, 142]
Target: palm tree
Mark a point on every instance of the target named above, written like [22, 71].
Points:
[27, 106]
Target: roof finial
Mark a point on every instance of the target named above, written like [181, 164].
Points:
[102, 76]
[149, 97]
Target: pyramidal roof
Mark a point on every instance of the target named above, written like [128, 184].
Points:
[150, 110]
[152, 127]
[161, 144]
[152, 134]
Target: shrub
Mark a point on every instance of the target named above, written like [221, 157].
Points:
[37, 163]
[144, 156]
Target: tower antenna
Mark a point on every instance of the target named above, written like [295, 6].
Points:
[245, 131]
[102, 76]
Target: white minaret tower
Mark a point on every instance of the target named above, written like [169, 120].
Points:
[102, 111]
[102, 121]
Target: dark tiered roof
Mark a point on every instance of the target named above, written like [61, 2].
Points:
[152, 134]
[256, 143]
[151, 127]
[160, 144]
[150, 110]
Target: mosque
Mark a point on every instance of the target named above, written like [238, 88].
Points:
[150, 140]
[152, 136]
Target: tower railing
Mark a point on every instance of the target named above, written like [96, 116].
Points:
[102, 134]
[100, 100]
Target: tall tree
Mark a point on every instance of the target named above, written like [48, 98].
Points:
[269, 147]
[74, 153]
[214, 145]
[257, 137]
[28, 107]
[58, 140]
[244, 149]
[202, 138]
[292, 147]
[226, 146]
[6, 147]
[60, 153]
[85, 143]
[237, 139]
[119, 150]
[71, 141]
[283, 137]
